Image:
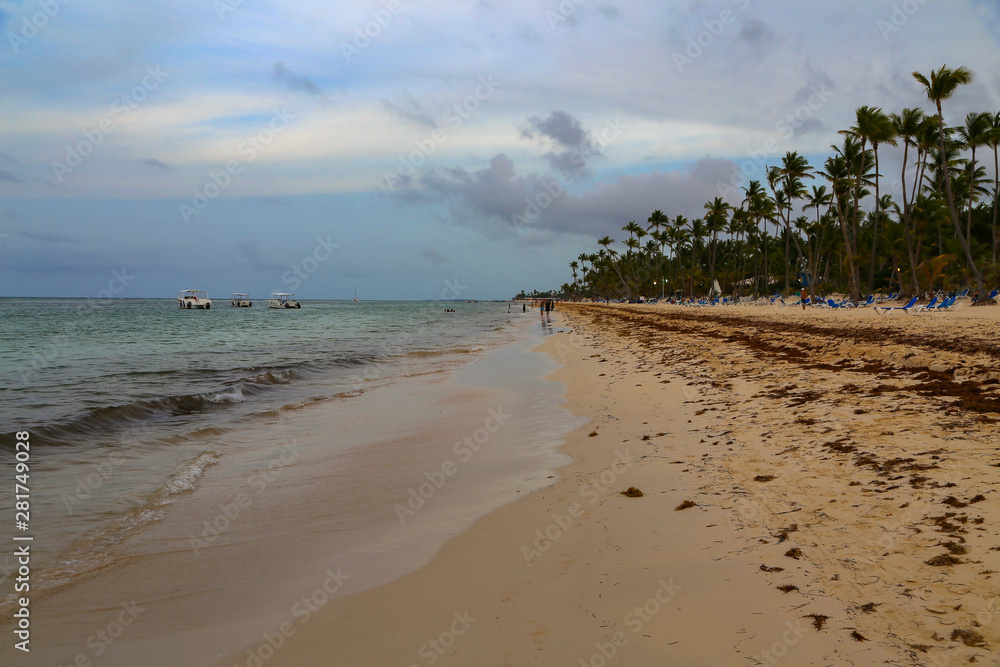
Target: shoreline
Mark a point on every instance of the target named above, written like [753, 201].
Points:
[578, 574]
[305, 504]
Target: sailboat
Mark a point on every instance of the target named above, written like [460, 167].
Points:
[355, 295]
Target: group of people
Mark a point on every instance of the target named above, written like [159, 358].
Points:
[544, 306]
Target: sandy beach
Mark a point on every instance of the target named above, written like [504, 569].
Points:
[818, 488]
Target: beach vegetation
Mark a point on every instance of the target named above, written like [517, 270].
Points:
[831, 228]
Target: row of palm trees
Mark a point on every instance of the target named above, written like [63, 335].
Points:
[939, 231]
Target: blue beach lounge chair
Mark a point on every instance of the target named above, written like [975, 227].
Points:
[885, 311]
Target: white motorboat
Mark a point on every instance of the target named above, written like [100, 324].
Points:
[193, 298]
[283, 300]
[241, 300]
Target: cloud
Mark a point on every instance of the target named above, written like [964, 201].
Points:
[9, 177]
[497, 197]
[434, 255]
[271, 201]
[249, 251]
[561, 127]
[410, 109]
[153, 162]
[568, 133]
[293, 81]
[46, 238]
[758, 36]
[810, 126]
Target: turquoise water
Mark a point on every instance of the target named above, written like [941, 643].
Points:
[76, 367]
[129, 402]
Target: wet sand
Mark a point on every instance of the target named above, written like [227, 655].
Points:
[313, 502]
[818, 488]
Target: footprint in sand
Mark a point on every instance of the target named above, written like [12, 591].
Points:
[539, 633]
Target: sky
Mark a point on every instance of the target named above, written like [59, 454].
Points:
[420, 150]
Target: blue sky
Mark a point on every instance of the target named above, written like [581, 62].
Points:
[396, 145]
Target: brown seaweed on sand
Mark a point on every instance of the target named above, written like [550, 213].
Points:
[684, 505]
[969, 638]
[944, 560]
[631, 492]
[783, 535]
[818, 620]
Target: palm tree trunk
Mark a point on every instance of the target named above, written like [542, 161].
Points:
[907, 233]
[951, 207]
[878, 203]
[972, 192]
[852, 275]
[996, 195]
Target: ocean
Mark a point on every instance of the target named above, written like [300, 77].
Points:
[169, 441]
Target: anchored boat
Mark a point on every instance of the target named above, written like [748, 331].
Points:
[283, 300]
[241, 300]
[193, 298]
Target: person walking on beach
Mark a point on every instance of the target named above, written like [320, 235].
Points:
[541, 309]
[524, 307]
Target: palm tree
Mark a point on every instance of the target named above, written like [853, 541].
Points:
[573, 267]
[976, 132]
[656, 220]
[874, 127]
[819, 198]
[907, 126]
[606, 242]
[793, 169]
[883, 133]
[697, 234]
[940, 86]
[838, 169]
[679, 235]
[994, 143]
[715, 222]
